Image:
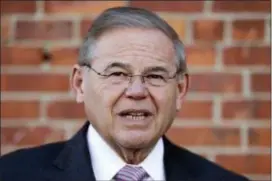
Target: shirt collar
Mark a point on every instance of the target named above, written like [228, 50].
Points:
[153, 163]
[106, 162]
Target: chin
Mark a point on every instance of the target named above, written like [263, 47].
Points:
[134, 140]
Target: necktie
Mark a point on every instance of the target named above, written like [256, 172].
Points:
[130, 173]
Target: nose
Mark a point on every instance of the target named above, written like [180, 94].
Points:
[136, 90]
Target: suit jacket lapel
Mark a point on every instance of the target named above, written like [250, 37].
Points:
[175, 169]
[74, 161]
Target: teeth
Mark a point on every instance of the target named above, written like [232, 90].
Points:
[137, 114]
[135, 117]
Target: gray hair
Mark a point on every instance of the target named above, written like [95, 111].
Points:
[130, 17]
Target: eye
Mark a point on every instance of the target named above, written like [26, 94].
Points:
[155, 76]
[118, 74]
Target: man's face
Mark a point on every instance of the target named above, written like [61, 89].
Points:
[130, 114]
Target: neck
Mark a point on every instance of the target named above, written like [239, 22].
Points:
[133, 156]
[129, 155]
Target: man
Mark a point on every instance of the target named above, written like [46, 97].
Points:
[131, 77]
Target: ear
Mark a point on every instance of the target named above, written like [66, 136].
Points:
[182, 89]
[77, 83]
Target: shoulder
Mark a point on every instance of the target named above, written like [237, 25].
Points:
[29, 159]
[201, 167]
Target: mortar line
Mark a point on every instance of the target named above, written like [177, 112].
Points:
[246, 84]
[216, 109]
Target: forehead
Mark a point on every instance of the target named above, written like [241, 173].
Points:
[144, 46]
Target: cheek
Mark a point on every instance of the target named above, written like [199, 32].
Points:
[165, 98]
[104, 97]
[166, 103]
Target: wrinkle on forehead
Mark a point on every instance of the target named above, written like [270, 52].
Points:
[137, 43]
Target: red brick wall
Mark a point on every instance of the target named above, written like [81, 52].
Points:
[226, 116]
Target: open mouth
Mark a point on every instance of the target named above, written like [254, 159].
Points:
[135, 114]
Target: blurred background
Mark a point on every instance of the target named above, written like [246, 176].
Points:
[226, 115]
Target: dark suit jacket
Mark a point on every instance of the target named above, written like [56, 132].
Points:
[70, 161]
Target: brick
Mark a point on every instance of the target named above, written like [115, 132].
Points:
[34, 82]
[259, 137]
[177, 24]
[81, 7]
[246, 164]
[241, 6]
[215, 82]
[30, 136]
[85, 24]
[208, 30]
[21, 55]
[200, 56]
[5, 28]
[261, 82]
[170, 6]
[246, 109]
[248, 30]
[196, 110]
[44, 30]
[247, 56]
[9, 7]
[20, 109]
[65, 110]
[222, 137]
[64, 56]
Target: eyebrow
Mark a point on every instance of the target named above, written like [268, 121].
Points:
[128, 67]
[156, 69]
[118, 65]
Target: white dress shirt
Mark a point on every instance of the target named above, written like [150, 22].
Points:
[106, 162]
